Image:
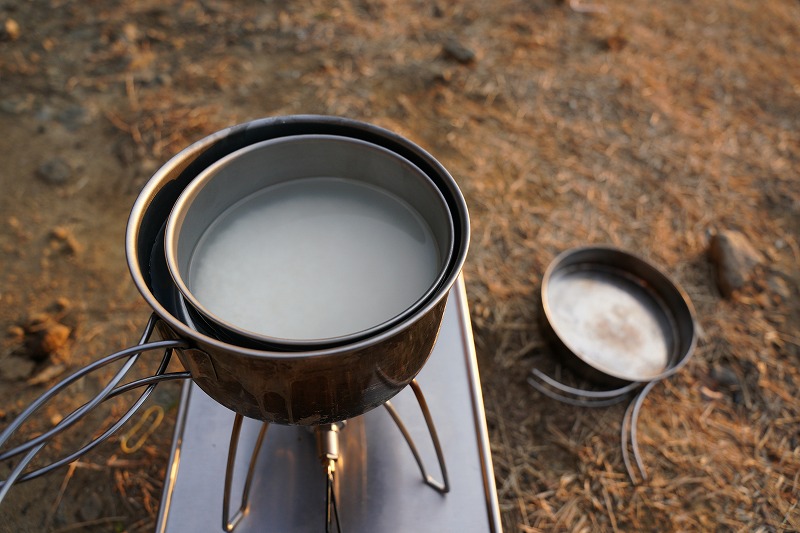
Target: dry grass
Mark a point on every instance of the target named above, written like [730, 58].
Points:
[637, 124]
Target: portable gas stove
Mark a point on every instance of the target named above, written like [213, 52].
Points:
[385, 470]
[337, 429]
[379, 485]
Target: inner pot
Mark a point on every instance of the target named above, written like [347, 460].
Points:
[318, 385]
[308, 240]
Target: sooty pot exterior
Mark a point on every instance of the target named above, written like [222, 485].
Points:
[311, 389]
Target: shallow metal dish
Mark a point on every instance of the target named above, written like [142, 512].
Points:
[614, 317]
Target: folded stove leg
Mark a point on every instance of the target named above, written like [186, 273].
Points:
[439, 486]
[229, 524]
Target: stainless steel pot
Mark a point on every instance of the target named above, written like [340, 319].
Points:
[346, 198]
[316, 386]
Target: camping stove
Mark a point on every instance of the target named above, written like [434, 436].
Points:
[385, 470]
[383, 463]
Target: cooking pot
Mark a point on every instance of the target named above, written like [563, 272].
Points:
[308, 241]
[330, 381]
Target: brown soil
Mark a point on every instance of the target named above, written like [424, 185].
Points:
[647, 125]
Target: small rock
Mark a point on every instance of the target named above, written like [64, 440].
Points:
[45, 113]
[74, 117]
[16, 333]
[56, 171]
[15, 368]
[54, 338]
[62, 303]
[65, 236]
[60, 233]
[91, 507]
[725, 377]
[46, 338]
[615, 42]
[18, 104]
[456, 50]
[734, 258]
[10, 31]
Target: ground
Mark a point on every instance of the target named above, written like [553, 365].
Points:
[649, 126]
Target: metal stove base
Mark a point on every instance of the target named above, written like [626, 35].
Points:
[380, 487]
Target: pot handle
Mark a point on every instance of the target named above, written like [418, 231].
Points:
[556, 390]
[112, 389]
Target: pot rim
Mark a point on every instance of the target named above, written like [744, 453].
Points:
[170, 171]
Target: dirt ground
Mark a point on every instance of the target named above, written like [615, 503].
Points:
[646, 125]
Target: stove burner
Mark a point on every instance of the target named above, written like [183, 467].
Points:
[471, 499]
[327, 437]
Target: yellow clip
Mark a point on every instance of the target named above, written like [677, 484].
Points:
[123, 443]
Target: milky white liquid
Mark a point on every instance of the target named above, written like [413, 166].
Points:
[312, 259]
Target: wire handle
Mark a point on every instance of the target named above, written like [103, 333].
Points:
[33, 446]
[556, 390]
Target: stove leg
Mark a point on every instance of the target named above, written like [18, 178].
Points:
[439, 486]
[229, 524]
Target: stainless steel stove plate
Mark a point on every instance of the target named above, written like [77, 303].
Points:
[380, 486]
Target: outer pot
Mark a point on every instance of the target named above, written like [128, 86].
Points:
[307, 387]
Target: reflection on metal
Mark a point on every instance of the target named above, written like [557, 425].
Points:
[343, 380]
[365, 466]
